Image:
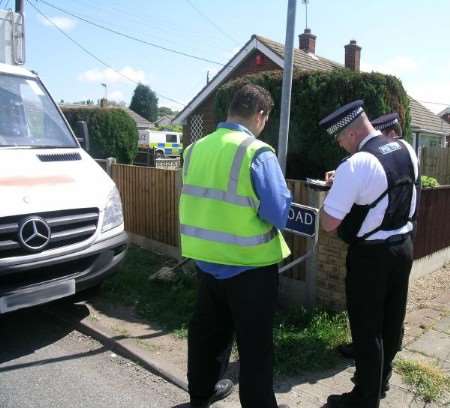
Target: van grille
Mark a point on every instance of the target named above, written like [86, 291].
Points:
[59, 157]
[65, 227]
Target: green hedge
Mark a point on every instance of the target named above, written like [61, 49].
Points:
[311, 151]
[112, 132]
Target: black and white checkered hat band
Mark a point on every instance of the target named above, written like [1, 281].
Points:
[386, 125]
[346, 120]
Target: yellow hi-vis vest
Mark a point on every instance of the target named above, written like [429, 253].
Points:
[219, 220]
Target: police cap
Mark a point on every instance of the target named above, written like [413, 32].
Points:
[386, 121]
[341, 118]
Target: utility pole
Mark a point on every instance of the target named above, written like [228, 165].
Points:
[287, 85]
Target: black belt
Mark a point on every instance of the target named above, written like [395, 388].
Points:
[392, 240]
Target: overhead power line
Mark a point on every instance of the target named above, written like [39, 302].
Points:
[128, 36]
[94, 56]
[436, 103]
[212, 22]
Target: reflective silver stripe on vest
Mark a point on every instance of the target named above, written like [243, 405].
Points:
[220, 195]
[187, 159]
[226, 238]
[237, 163]
[229, 196]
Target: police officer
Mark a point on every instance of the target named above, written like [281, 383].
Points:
[389, 126]
[234, 202]
[370, 204]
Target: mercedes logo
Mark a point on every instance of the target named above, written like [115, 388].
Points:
[34, 234]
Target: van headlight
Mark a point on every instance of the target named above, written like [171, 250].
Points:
[113, 211]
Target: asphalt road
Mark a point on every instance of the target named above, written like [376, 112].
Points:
[45, 363]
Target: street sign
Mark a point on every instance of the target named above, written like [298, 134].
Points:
[302, 220]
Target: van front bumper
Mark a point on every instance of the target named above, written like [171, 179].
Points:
[31, 283]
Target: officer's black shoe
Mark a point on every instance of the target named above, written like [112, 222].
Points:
[222, 389]
[347, 350]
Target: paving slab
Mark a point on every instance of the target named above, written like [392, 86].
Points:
[434, 344]
[443, 325]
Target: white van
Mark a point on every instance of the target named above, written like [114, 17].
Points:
[165, 143]
[61, 222]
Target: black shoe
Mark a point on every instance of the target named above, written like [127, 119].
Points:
[347, 350]
[222, 389]
[347, 400]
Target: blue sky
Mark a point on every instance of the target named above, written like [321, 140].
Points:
[406, 38]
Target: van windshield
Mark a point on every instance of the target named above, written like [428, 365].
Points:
[28, 117]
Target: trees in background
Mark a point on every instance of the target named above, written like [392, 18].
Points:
[145, 103]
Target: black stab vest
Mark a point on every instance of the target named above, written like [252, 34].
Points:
[397, 164]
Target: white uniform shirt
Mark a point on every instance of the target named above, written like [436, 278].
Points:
[360, 180]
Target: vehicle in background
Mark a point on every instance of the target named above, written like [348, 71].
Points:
[164, 143]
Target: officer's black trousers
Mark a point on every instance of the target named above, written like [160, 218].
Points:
[244, 306]
[377, 289]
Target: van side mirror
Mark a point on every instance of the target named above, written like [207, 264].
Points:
[82, 134]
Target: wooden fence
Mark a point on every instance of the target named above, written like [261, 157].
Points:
[150, 201]
[435, 162]
[433, 222]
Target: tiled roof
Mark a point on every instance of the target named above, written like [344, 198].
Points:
[422, 118]
[140, 121]
[302, 59]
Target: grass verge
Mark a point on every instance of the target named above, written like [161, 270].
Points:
[308, 340]
[303, 340]
[166, 304]
[427, 381]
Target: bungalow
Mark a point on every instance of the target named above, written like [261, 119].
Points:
[428, 129]
[262, 54]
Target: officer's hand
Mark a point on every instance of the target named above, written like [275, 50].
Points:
[329, 177]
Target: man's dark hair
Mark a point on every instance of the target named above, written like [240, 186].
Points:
[396, 128]
[249, 100]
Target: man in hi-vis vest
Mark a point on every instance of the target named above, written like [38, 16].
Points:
[233, 204]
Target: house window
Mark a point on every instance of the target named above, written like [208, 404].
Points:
[196, 127]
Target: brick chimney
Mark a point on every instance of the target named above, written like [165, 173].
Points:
[308, 41]
[352, 56]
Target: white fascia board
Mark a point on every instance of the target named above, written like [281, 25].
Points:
[428, 132]
[224, 73]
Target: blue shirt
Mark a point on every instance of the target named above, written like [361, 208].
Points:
[275, 199]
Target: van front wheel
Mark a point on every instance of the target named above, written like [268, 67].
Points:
[159, 154]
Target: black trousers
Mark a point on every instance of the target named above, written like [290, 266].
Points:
[377, 290]
[241, 306]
